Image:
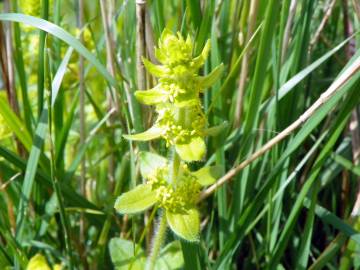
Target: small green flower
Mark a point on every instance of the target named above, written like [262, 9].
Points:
[181, 120]
[178, 199]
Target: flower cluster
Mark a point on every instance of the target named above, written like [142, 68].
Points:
[181, 120]
[176, 197]
[33, 7]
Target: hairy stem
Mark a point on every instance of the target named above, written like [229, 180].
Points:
[159, 235]
[157, 242]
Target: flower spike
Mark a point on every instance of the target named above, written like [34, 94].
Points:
[176, 97]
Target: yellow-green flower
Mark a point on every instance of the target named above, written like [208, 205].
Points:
[177, 195]
[181, 120]
[38, 262]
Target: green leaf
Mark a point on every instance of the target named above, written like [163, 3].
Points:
[136, 200]
[214, 131]
[14, 123]
[150, 134]
[152, 96]
[30, 172]
[122, 255]
[187, 100]
[186, 225]
[64, 36]
[171, 257]
[156, 70]
[200, 60]
[192, 151]
[209, 80]
[191, 254]
[208, 175]
[149, 162]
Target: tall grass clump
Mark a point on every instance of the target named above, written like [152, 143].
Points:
[205, 134]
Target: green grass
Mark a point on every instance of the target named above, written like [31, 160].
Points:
[295, 207]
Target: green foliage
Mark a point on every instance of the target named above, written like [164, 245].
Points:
[181, 123]
[96, 174]
[137, 200]
[123, 256]
[185, 225]
[177, 198]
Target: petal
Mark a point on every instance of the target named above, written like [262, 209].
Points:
[150, 134]
[152, 96]
[192, 151]
[186, 225]
[136, 200]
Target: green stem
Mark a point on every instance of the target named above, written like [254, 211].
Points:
[175, 166]
[157, 242]
[159, 236]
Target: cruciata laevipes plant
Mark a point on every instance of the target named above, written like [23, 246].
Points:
[170, 185]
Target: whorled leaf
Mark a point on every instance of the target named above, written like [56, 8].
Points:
[136, 200]
[156, 70]
[152, 96]
[208, 80]
[200, 60]
[186, 225]
[149, 162]
[189, 102]
[193, 151]
[150, 134]
[208, 175]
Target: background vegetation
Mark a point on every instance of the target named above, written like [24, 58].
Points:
[67, 98]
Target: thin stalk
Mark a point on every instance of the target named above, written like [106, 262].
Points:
[159, 236]
[9, 71]
[322, 24]
[330, 92]
[140, 43]
[245, 62]
[113, 99]
[143, 234]
[157, 242]
[287, 31]
[60, 100]
[54, 179]
[82, 225]
[41, 77]
[20, 67]
[59, 197]
[140, 68]
[356, 5]
[10, 63]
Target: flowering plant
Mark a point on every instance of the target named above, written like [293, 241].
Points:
[170, 185]
[181, 120]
